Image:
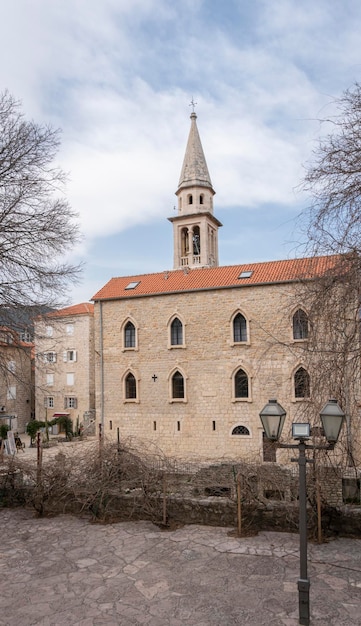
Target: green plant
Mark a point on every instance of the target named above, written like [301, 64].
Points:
[4, 431]
[64, 422]
[32, 428]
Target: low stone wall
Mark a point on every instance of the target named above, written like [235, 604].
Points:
[212, 511]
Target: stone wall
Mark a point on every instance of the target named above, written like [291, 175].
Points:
[200, 427]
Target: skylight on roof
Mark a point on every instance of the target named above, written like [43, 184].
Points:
[132, 285]
[246, 274]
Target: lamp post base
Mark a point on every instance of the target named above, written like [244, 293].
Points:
[304, 601]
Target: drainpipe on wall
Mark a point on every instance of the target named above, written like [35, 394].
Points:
[101, 368]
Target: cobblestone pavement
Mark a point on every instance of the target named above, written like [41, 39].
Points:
[67, 571]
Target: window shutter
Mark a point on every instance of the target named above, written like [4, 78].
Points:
[74, 355]
[75, 403]
[45, 402]
[54, 357]
[65, 403]
[65, 356]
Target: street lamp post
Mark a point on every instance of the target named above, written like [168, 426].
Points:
[273, 417]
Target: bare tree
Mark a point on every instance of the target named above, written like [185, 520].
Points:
[333, 179]
[333, 226]
[37, 225]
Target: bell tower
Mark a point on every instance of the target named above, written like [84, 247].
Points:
[195, 229]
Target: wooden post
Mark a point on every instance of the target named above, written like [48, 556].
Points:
[164, 499]
[39, 458]
[319, 511]
[239, 510]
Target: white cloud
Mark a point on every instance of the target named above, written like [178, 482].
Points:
[117, 77]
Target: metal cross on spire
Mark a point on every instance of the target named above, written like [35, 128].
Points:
[192, 104]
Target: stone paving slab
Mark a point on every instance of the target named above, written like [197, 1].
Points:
[67, 571]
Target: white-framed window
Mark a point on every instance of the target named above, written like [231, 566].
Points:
[69, 356]
[70, 379]
[11, 366]
[11, 392]
[70, 402]
[49, 331]
[49, 402]
[69, 328]
[50, 380]
[26, 336]
[50, 357]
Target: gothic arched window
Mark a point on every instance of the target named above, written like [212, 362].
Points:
[240, 384]
[300, 324]
[239, 328]
[177, 385]
[302, 383]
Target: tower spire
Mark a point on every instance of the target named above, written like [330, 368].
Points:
[194, 169]
[195, 228]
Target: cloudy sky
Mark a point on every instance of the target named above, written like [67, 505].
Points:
[117, 77]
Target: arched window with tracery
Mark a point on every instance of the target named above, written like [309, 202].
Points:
[240, 430]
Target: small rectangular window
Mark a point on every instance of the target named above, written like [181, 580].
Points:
[11, 366]
[70, 402]
[69, 355]
[246, 274]
[49, 402]
[70, 379]
[11, 392]
[50, 357]
[50, 379]
[70, 329]
[132, 285]
[49, 331]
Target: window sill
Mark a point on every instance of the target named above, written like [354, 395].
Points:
[241, 399]
[130, 349]
[131, 401]
[178, 400]
[174, 347]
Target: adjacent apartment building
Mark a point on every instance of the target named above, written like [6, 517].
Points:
[17, 379]
[64, 365]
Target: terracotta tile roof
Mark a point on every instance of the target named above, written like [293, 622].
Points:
[85, 308]
[176, 281]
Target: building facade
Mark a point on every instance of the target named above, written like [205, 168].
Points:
[17, 380]
[64, 365]
[186, 359]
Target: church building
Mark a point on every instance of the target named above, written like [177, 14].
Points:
[186, 359]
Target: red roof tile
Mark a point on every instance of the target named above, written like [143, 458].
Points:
[176, 281]
[85, 308]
